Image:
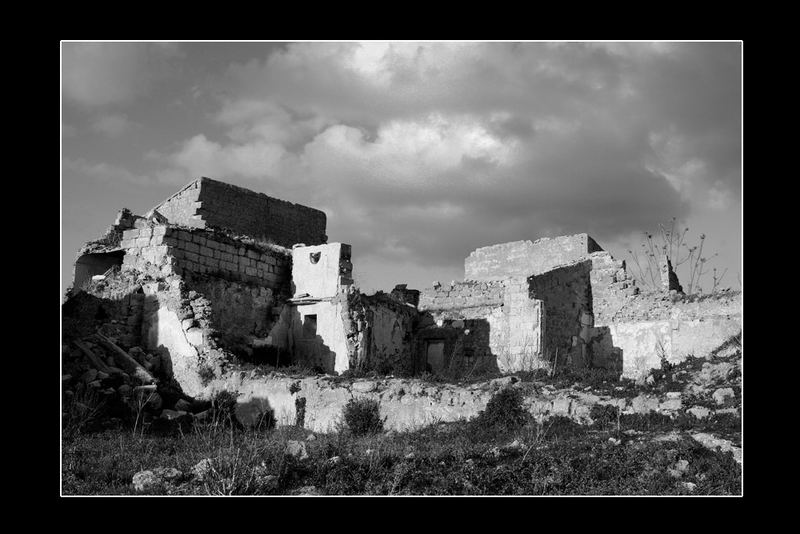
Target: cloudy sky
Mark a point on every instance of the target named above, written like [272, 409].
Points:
[418, 152]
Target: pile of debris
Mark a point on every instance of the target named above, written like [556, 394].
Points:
[105, 386]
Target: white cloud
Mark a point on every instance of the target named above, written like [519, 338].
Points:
[422, 152]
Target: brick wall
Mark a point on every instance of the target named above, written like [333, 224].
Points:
[525, 258]
[210, 203]
[164, 250]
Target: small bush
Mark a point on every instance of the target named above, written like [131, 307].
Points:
[503, 412]
[604, 415]
[223, 406]
[363, 416]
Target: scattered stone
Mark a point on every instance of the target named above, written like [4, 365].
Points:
[410, 456]
[155, 401]
[499, 383]
[306, 490]
[368, 452]
[183, 406]
[296, 449]
[312, 437]
[153, 479]
[678, 469]
[700, 412]
[615, 441]
[268, 482]
[95, 384]
[722, 395]
[689, 485]
[103, 376]
[89, 376]
[203, 416]
[172, 415]
[364, 387]
[711, 442]
[335, 460]
[202, 469]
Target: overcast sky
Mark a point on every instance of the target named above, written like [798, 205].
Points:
[418, 152]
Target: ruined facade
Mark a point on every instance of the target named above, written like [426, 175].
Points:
[217, 274]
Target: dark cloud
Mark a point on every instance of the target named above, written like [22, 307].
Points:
[421, 153]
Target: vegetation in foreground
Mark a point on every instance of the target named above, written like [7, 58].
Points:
[501, 452]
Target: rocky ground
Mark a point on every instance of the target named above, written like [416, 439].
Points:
[128, 430]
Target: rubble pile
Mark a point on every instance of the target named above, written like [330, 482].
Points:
[106, 386]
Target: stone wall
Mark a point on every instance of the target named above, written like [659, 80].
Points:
[648, 327]
[390, 336]
[241, 315]
[317, 336]
[321, 271]
[507, 323]
[525, 258]
[612, 286]
[115, 304]
[409, 404]
[211, 203]
[163, 250]
[566, 295]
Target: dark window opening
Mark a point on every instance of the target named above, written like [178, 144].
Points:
[310, 327]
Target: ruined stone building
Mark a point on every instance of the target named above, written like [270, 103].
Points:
[217, 274]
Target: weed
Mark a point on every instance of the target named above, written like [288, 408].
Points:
[504, 412]
[362, 417]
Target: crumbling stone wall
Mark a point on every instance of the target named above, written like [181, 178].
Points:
[321, 271]
[525, 258]
[612, 286]
[210, 203]
[567, 299]
[650, 326]
[390, 337]
[114, 303]
[241, 315]
[500, 312]
[163, 250]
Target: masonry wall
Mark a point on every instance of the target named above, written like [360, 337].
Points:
[211, 203]
[182, 207]
[647, 327]
[507, 322]
[525, 258]
[326, 347]
[321, 271]
[567, 298]
[165, 250]
[612, 286]
[241, 315]
[390, 336]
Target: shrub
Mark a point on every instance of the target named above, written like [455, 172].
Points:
[223, 406]
[604, 415]
[503, 412]
[363, 416]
